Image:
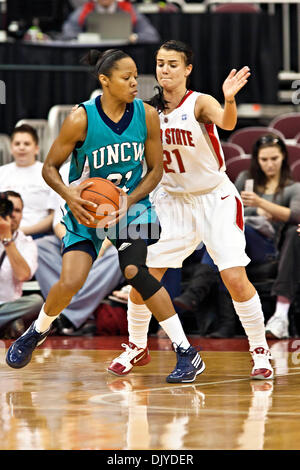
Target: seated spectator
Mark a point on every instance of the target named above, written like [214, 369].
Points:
[104, 276]
[272, 212]
[24, 176]
[18, 263]
[143, 31]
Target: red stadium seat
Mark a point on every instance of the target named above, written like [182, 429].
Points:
[293, 153]
[288, 124]
[295, 170]
[297, 138]
[235, 165]
[231, 150]
[247, 136]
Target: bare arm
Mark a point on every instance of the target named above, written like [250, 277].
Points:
[153, 156]
[19, 265]
[274, 211]
[59, 230]
[209, 110]
[42, 226]
[73, 130]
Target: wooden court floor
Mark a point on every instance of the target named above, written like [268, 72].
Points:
[65, 400]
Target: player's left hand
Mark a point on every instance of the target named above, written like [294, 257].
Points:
[298, 229]
[234, 82]
[250, 199]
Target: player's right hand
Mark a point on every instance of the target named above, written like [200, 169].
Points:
[76, 203]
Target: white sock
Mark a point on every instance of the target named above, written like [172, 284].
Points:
[252, 318]
[139, 317]
[43, 321]
[282, 310]
[173, 327]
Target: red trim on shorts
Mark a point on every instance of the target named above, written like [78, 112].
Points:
[184, 98]
[239, 214]
[215, 142]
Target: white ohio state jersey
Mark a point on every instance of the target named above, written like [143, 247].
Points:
[193, 156]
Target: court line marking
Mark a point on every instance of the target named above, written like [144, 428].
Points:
[104, 398]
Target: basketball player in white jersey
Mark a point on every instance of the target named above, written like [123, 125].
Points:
[196, 202]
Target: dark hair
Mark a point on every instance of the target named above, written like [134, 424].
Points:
[26, 128]
[13, 194]
[158, 100]
[255, 171]
[104, 62]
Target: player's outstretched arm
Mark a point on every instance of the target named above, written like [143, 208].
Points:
[72, 131]
[209, 110]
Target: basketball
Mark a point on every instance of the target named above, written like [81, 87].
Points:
[106, 195]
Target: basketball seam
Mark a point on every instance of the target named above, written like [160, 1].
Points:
[106, 181]
[106, 197]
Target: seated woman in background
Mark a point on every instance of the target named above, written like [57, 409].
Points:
[24, 176]
[272, 212]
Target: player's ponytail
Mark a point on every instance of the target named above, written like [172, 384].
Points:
[158, 101]
[103, 62]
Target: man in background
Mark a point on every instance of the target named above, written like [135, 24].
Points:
[142, 29]
[18, 263]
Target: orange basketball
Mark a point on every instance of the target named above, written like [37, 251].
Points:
[106, 195]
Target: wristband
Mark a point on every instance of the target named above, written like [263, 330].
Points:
[7, 241]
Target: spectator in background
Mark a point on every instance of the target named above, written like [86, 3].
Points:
[142, 29]
[18, 263]
[272, 212]
[24, 176]
[104, 276]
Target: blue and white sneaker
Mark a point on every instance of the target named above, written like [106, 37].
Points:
[189, 365]
[20, 352]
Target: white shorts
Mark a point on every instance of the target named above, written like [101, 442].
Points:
[216, 219]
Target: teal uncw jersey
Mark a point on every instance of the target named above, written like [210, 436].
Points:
[114, 151]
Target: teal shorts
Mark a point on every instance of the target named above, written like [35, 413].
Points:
[139, 214]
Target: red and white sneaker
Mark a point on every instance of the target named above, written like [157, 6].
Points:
[132, 356]
[262, 368]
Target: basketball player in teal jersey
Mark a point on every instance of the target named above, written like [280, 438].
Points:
[110, 137]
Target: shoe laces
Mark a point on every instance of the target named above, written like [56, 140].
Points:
[260, 358]
[184, 354]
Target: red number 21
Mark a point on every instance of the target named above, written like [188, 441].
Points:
[168, 161]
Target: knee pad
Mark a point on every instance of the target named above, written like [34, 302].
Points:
[134, 253]
[145, 283]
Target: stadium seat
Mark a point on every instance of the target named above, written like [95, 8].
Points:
[293, 153]
[231, 150]
[5, 155]
[295, 170]
[247, 136]
[41, 126]
[56, 117]
[95, 93]
[288, 124]
[297, 138]
[146, 86]
[237, 164]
